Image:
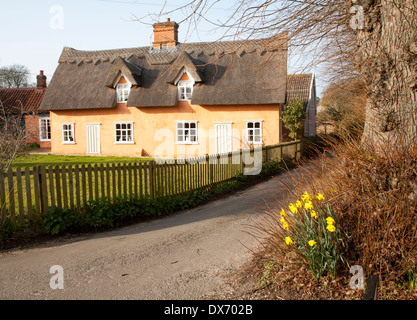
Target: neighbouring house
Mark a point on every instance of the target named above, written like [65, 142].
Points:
[169, 98]
[26, 102]
[303, 86]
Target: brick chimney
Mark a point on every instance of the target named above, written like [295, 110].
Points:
[165, 34]
[41, 80]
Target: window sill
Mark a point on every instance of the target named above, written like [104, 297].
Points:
[124, 142]
[45, 140]
[71, 142]
[187, 143]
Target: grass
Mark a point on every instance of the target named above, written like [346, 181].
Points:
[53, 160]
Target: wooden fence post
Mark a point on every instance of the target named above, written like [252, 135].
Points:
[43, 189]
[28, 194]
[152, 179]
[19, 187]
[208, 178]
[371, 288]
[2, 197]
[11, 194]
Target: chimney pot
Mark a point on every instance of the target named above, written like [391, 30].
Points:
[41, 80]
[165, 34]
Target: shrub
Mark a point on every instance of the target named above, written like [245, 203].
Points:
[292, 116]
[57, 220]
[6, 229]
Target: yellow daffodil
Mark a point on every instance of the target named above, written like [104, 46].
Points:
[293, 208]
[313, 214]
[331, 227]
[320, 196]
[330, 220]
[285, 225]
[282, 213]
[308, 205]
[282, 220]
[305, 196]
[288, 240]
[298, 204]
[312, 243]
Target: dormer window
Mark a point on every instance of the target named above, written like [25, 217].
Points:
[185, 90]
[123, 90]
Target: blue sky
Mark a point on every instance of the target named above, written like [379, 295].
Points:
[35, 32]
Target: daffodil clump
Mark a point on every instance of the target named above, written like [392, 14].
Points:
[310, 228]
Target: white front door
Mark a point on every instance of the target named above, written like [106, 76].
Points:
[223, 137]
[93, 138]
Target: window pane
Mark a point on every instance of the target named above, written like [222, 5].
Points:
[257, 124]
[179, 125]
[250, 135]
[180, 132]
[250, 124]
[192, 125]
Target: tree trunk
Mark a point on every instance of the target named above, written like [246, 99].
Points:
[387, 58]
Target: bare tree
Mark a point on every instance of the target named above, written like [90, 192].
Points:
[344, 107]
[14, 76]
[375, 40]
[13, 137]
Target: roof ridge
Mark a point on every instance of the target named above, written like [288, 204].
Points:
[23, 88]
[71, 55]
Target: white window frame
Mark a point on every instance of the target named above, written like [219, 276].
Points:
[71, 131]
[253, 128]
[183, 85]
[184, 136]
[48, 126]
[132, 141]
[122, 95]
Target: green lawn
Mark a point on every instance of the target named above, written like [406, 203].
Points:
[53, 160]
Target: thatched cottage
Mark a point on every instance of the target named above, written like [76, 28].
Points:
[169, 98]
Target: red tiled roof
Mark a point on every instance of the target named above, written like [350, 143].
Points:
[21, 100]
[299, 84]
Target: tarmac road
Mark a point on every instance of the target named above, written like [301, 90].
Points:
[182, 256]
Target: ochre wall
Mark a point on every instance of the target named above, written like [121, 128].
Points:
[147, 122]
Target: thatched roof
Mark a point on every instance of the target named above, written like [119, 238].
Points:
[131, 71]
[226, 73]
